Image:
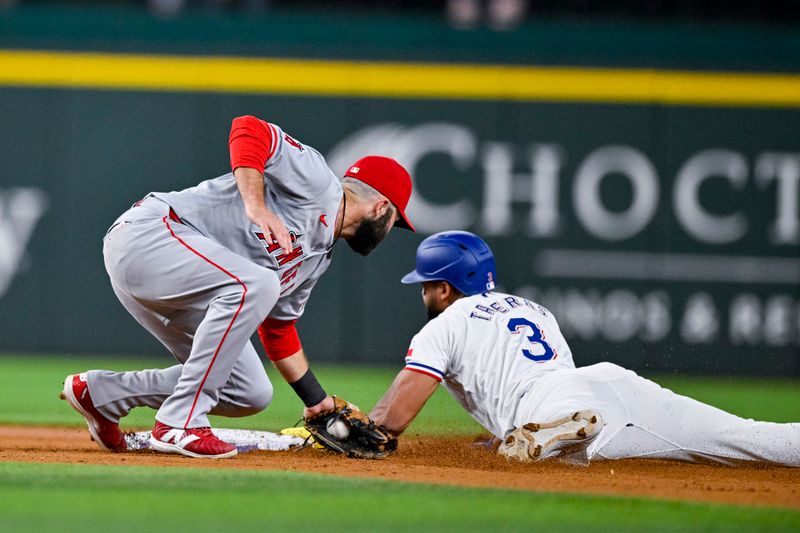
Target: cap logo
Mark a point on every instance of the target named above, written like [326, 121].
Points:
[354, 170]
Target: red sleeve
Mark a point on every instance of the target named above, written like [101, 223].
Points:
[279, 338]
[252, 143]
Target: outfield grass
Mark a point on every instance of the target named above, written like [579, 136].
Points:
[38, 497]
[94, 498]
[31, 385]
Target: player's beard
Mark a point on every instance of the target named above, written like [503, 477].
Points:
[432, 313]
[370, 233]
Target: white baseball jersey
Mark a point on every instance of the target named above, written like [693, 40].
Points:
[488, 350]
[505, 361]
[301, 190]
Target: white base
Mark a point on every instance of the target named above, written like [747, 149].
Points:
[245, 440]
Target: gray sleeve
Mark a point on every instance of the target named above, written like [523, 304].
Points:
[296, 170]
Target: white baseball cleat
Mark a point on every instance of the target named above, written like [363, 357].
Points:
[566, 437]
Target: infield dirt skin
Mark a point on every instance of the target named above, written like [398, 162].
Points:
[449, 461]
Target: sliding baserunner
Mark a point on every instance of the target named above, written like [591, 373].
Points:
[504, 359]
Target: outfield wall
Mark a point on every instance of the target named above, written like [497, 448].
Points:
[644, 191]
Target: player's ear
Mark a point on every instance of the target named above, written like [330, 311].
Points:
[446, 290]
[380, 207]
[450, 294]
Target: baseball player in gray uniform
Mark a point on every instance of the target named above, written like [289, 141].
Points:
[202, 269]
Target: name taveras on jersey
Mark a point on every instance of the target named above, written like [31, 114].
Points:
[282, 258]
[485, 312]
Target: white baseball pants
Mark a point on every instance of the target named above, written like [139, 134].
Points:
[643, 420]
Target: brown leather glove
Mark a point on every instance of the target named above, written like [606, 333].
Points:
[346, 429]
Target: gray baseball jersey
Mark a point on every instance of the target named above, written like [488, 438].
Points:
[301, 190]
[202, 283]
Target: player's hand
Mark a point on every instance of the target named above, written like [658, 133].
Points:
[325, 405]
[251, 186]
[270, 224]
[346, 430]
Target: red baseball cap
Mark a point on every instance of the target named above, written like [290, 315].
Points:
[389, 178]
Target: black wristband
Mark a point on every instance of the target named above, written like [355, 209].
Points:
[308, 389]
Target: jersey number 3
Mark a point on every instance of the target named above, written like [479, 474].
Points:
[516, 325]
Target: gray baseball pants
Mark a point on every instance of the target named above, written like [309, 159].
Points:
[203, 302]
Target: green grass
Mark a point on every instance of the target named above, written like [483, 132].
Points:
[770, 399]
[31, 385]
[38, 497]
[96, 498]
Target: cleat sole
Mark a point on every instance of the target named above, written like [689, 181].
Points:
[563, 437]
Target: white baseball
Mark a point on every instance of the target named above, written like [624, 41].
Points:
[338, 429]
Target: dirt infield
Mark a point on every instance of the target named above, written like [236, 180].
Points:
[449, 461]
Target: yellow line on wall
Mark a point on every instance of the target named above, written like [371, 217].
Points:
[394, 80]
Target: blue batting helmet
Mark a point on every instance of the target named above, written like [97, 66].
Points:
[460, 258]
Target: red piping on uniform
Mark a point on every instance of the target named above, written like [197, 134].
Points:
[273, 139]
[219, 346]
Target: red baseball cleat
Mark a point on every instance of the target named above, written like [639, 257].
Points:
[194, 442]
[104, 432]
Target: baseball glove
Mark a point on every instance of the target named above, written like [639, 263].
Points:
[346, 429]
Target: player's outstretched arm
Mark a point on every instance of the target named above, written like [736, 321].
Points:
[296, 372]
[282, 344]
[403, 401]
